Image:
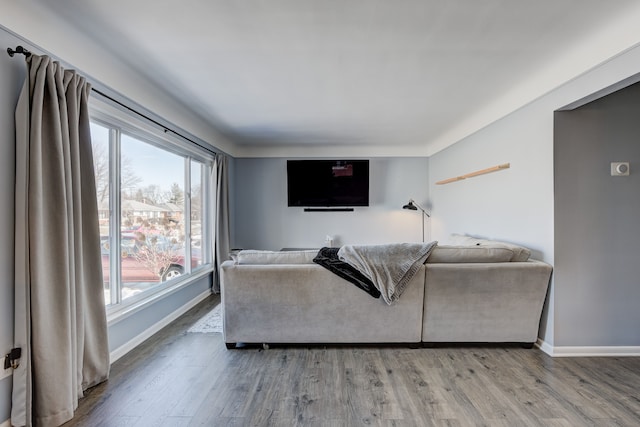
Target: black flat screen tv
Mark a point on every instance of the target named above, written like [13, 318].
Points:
[327, 183]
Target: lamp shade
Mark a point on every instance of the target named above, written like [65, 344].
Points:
[410, 206]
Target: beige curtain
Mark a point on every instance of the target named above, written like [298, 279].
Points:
[221, 230]
[59, 308]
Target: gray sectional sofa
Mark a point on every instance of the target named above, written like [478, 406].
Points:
[475, 292]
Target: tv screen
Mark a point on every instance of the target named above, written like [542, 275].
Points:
[326, 183]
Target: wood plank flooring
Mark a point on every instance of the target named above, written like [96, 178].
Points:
[184, 379]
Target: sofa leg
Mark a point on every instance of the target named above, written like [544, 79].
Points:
[527, 345]
[230, 345]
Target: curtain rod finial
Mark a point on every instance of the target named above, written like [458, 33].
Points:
[18, 49]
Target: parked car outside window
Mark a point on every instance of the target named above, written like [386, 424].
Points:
[147, 258]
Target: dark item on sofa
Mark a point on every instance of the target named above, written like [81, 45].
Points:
[328, 258]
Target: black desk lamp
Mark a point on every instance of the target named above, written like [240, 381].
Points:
[413, 206]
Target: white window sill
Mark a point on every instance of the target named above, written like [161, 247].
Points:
[121, 311]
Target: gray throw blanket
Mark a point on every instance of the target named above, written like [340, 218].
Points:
[390, 267]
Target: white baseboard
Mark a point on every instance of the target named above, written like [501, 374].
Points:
[6, 423]
[134, 342]
[591, 351]
[544, 346]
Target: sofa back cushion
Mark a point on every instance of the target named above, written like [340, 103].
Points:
[256, 257]
[520, 254]
[469, 254]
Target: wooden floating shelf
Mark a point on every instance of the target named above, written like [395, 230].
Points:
[476, 173]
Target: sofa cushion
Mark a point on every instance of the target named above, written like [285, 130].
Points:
[462, 240]
[520, 253]
[256, 257]
[469, 254]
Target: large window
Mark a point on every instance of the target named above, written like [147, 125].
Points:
[152, 208]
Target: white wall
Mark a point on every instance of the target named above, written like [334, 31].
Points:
[263, 220]
[513, 204]
[516, 204]
[38, 25]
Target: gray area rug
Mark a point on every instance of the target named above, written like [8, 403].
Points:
[211, 323]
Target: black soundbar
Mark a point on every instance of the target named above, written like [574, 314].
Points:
[328, 209]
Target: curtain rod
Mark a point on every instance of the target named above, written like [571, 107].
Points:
[26, 53]
[144, 116]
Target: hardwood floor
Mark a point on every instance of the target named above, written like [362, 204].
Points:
[182, 379]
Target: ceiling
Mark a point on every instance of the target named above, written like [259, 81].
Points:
[350, 72]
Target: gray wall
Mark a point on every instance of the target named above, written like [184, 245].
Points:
[12, 72]
[263, 220]
[597, 217]
[125, 330]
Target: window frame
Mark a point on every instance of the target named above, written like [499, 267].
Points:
[120, 122]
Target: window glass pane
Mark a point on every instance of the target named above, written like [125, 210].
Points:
[197, 172]
[144, 244]
[100, 147]
[152, 216]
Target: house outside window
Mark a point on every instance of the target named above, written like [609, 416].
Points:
[153, 209]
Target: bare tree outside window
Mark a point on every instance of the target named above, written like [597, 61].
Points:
[128, 177]
[177, 195]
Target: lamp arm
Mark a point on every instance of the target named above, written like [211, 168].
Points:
[421, 208]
